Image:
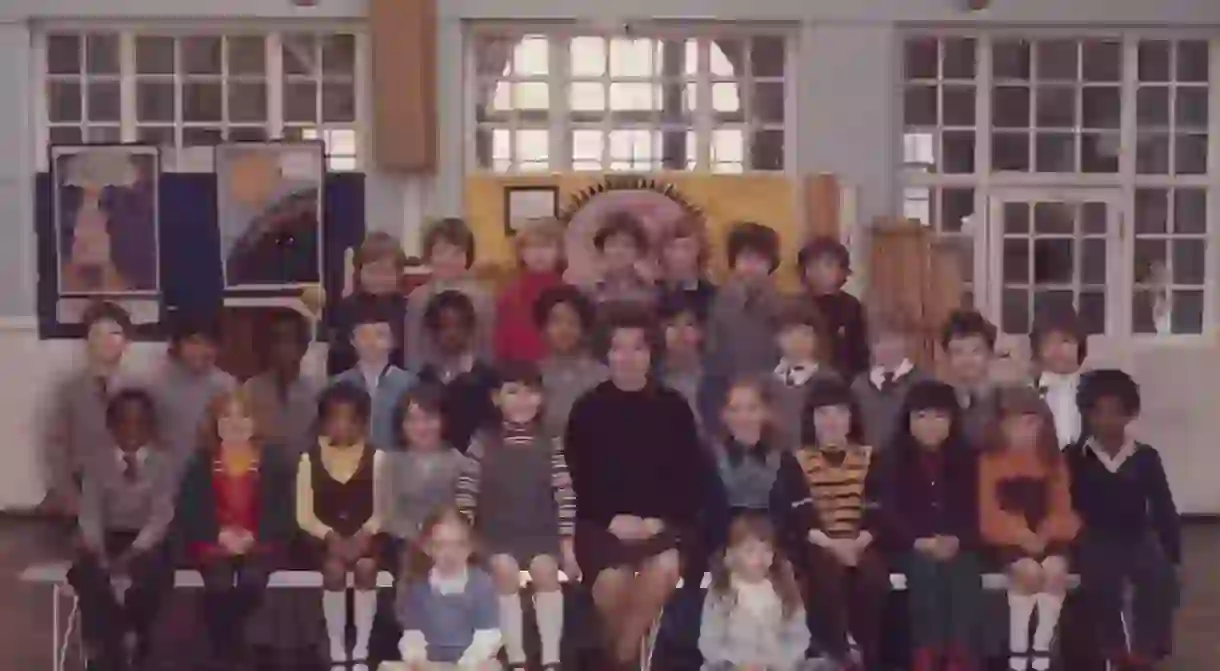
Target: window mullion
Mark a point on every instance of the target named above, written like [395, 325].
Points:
[1211, 264]
[362, 83]
[606, 122]
[275, 86]
[127, 88]
[704, 113]
[559, 116]
[985, 294]
[179, 140]
[42, 131]
[1119, 300]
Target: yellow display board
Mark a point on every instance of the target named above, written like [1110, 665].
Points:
[720, 200]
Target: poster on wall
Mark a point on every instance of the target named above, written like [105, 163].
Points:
[105, 217]
[269, 205]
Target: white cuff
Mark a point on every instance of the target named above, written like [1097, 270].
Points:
[484, 646]
[413, 647]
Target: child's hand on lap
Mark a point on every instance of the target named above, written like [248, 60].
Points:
[570, 568]
[628, 528]
[947, 547]
[928, 546]
[230, 540]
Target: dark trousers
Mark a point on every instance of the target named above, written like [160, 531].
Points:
[1108, 566]
[233, 588]
[945, 602]
[844, 599]
[104, 620]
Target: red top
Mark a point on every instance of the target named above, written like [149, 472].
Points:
[516, 337]
[236, 501]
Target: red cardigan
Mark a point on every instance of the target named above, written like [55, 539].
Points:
[516, 337]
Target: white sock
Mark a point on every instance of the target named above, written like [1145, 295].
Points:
[549, 608]
[364, 608]
[334, 609]
[1018, 663]
[1020, 609]
[512, 628]
[1049, 607]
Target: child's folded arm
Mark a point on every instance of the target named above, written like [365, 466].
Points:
[794, 640]
[162, 515]
[713, 629]
[1061, 524]
[997, 526]
[373, 524]
[307, 519]
[483, 646]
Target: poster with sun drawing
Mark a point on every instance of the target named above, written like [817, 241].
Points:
[270, 214]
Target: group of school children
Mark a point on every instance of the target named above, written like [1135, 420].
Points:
[625, 434]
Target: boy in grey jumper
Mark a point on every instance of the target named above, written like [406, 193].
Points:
[285, 401]
[802, 339]
[127, 506]
[77, 419]
[682, 365]
[187, 383]
[565, 316]
[449, 250]
[968, 341]
[882, 389]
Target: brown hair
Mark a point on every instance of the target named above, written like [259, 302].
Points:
[689, 226]
[540, 232]
[755, 526]
[209, 432]
[795, 311]
[1015, 400]
[762, 386]
[451, 230]
[417, 563]
[376, 247]
[895, 321]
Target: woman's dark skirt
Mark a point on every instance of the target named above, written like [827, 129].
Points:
[598, 550]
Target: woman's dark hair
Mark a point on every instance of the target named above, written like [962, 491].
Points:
[748, 236]
[1108, 383]
[824, 247]
[427, 397]
[130, 396]
[757, 526]
[453, 231]
[621, 223]
[824, 393]
[184, 327]
[564, 294]
[1064, 321]
[963, 324]
[929, 395]
[1017, 400]
[264, 338]
[99, 311]
[615, 316]
[454, 300]
[344, 393]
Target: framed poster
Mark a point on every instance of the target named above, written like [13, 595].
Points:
[525, 203]
[269, 208]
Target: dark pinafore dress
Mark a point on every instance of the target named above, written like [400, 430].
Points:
[517, 513]
[342, 506]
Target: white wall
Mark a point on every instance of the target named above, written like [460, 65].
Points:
[847, 124]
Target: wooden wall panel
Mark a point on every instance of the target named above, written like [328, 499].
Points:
[404, 60]
[821, 193]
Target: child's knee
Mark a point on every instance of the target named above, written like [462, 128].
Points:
[334, 575]
[364, 574]
[666, 565]
[1054, 574]
[506, 573]
[1025, 576]
[544, 573]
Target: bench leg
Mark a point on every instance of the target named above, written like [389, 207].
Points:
[56, 662]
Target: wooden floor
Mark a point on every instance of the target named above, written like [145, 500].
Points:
[25, 614]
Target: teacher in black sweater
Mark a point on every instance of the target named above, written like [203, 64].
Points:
[638, 472]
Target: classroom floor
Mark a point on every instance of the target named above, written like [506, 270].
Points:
[25, 612]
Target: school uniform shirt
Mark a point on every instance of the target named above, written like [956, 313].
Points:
[844, 317]
[340, 354]
[565, 379]
[1124, 496]
[881, 394]
[466, 402]
[836, 493]
[77, 431]
[747, 473]
[285, 413]
[516, 336]
[336, 490]
[414, 484]
[1059, 392]
[741, 330]
[129, 492]
[748, 627]
[791, 381]
[1019, 492]
[385, 386]
[449, 620]
[421, 351]
[182, 397]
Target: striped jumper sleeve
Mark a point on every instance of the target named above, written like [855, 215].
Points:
[565, 496]
[470, 481]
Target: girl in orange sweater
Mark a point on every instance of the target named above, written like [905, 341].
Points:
[1026, 516]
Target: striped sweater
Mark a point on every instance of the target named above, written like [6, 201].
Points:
[836, 493]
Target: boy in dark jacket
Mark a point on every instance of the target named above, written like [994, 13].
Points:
[824, 266]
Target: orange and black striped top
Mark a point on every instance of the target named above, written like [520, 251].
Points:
[829, 491]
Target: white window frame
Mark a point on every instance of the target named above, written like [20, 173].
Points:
[703, 117]
[988, 185]
[199, 159]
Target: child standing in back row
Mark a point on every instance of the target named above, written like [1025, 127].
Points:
[519, 496]
[824, 266]
[450, 252]
[539, 246]
[802, 338]
[379, 263]
[882, 390]
[1059, 345]
[375, 373]
[465, 379]
[684, 265]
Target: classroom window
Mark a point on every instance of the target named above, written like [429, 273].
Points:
[546, 102]
[189, 92]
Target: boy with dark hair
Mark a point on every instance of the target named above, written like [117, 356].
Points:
[882, 389]
[1131, 533]
[127, 505]
[565, 317]
[188, 382]
[378, 265]
[824, 265]
[622, 243]
[968, 341]
[682, 362]
[77, 421]
[449, 249]
[683, 258]
[284, 399]
[385, 383]
[1059, 344]
[468, 381]
[741, 324]
[803, 343]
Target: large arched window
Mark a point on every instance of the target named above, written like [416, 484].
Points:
[560, 101]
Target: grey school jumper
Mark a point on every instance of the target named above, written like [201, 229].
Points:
[565, 379]
[182, 398]
[881, 403]
[416, 483]
[141, 501]
[285, 414]
[790, 393]
[741, 331]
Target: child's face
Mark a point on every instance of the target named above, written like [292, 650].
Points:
[132, 427]
[286, 349]
[889, 350]
[930, 427]
[106, 342]
[448, 547]
[798, 342]
[197, 353]
[824, 274]
[564, 330]
[680, 257]
[421, 428]
[751, 267]
[1021, 431]
[683, 335]
[452, 332]
[750, 559]
[1059, 353]
[379, 277]
[342, 426]
[629, 356]
[541, 256]
[745, 414]
[969, 358]
[448, 260]
[620, 254]
[1108, 419]
[832, 423]
[234, 424]
[373, 341]
[519, 402]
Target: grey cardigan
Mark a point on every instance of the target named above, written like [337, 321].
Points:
[731, 637]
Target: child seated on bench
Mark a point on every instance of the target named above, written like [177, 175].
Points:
[127, 505]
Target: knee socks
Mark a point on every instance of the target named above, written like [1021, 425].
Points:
[512, 628]
[1049, 607]
[334, 609]
[548, 606]
[364, 609]
[1020, 610]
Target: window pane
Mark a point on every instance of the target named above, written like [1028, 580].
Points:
[247, 55]
[300, 54]
[1190, 109]
[1151, 211]
[767, 150]
[103, 101]
[1193, 61]
[1154, 61]
[589, 56]
[1099, 152]
[1190, 154]
[1102, 60]
[154, 55]
[339, 55]
[921, 58]
[769, 102]
[1016, 261]
[1152, 154]
[958, 60]
[301, 102]
[920, 106]
[1189, 260]
[1010, 107]
[201, 137]
[103, 134]
[1093, 311]
[1093, 261]
[247, 102]
[1187, 314]
[1014, 311]
[530, 57]
[957, 152]
[63, 54]
[102, 54]
[1054, 261]
[1190, 211]
[63, 101]
[1055, 152]
[957, 205]
[155, 101]
[1010, 151]
[1102, 106]
[64, 135]
[1011, 59]
[957, 105]
[1016, 217]
[201, 55]
[626, 97]
[767, 56]
[1054, 219]
[1152, 106]
[338, 103]
[1150, 261]
[1057, 60]
[162, 135]
[201, 102]
[634, 58]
